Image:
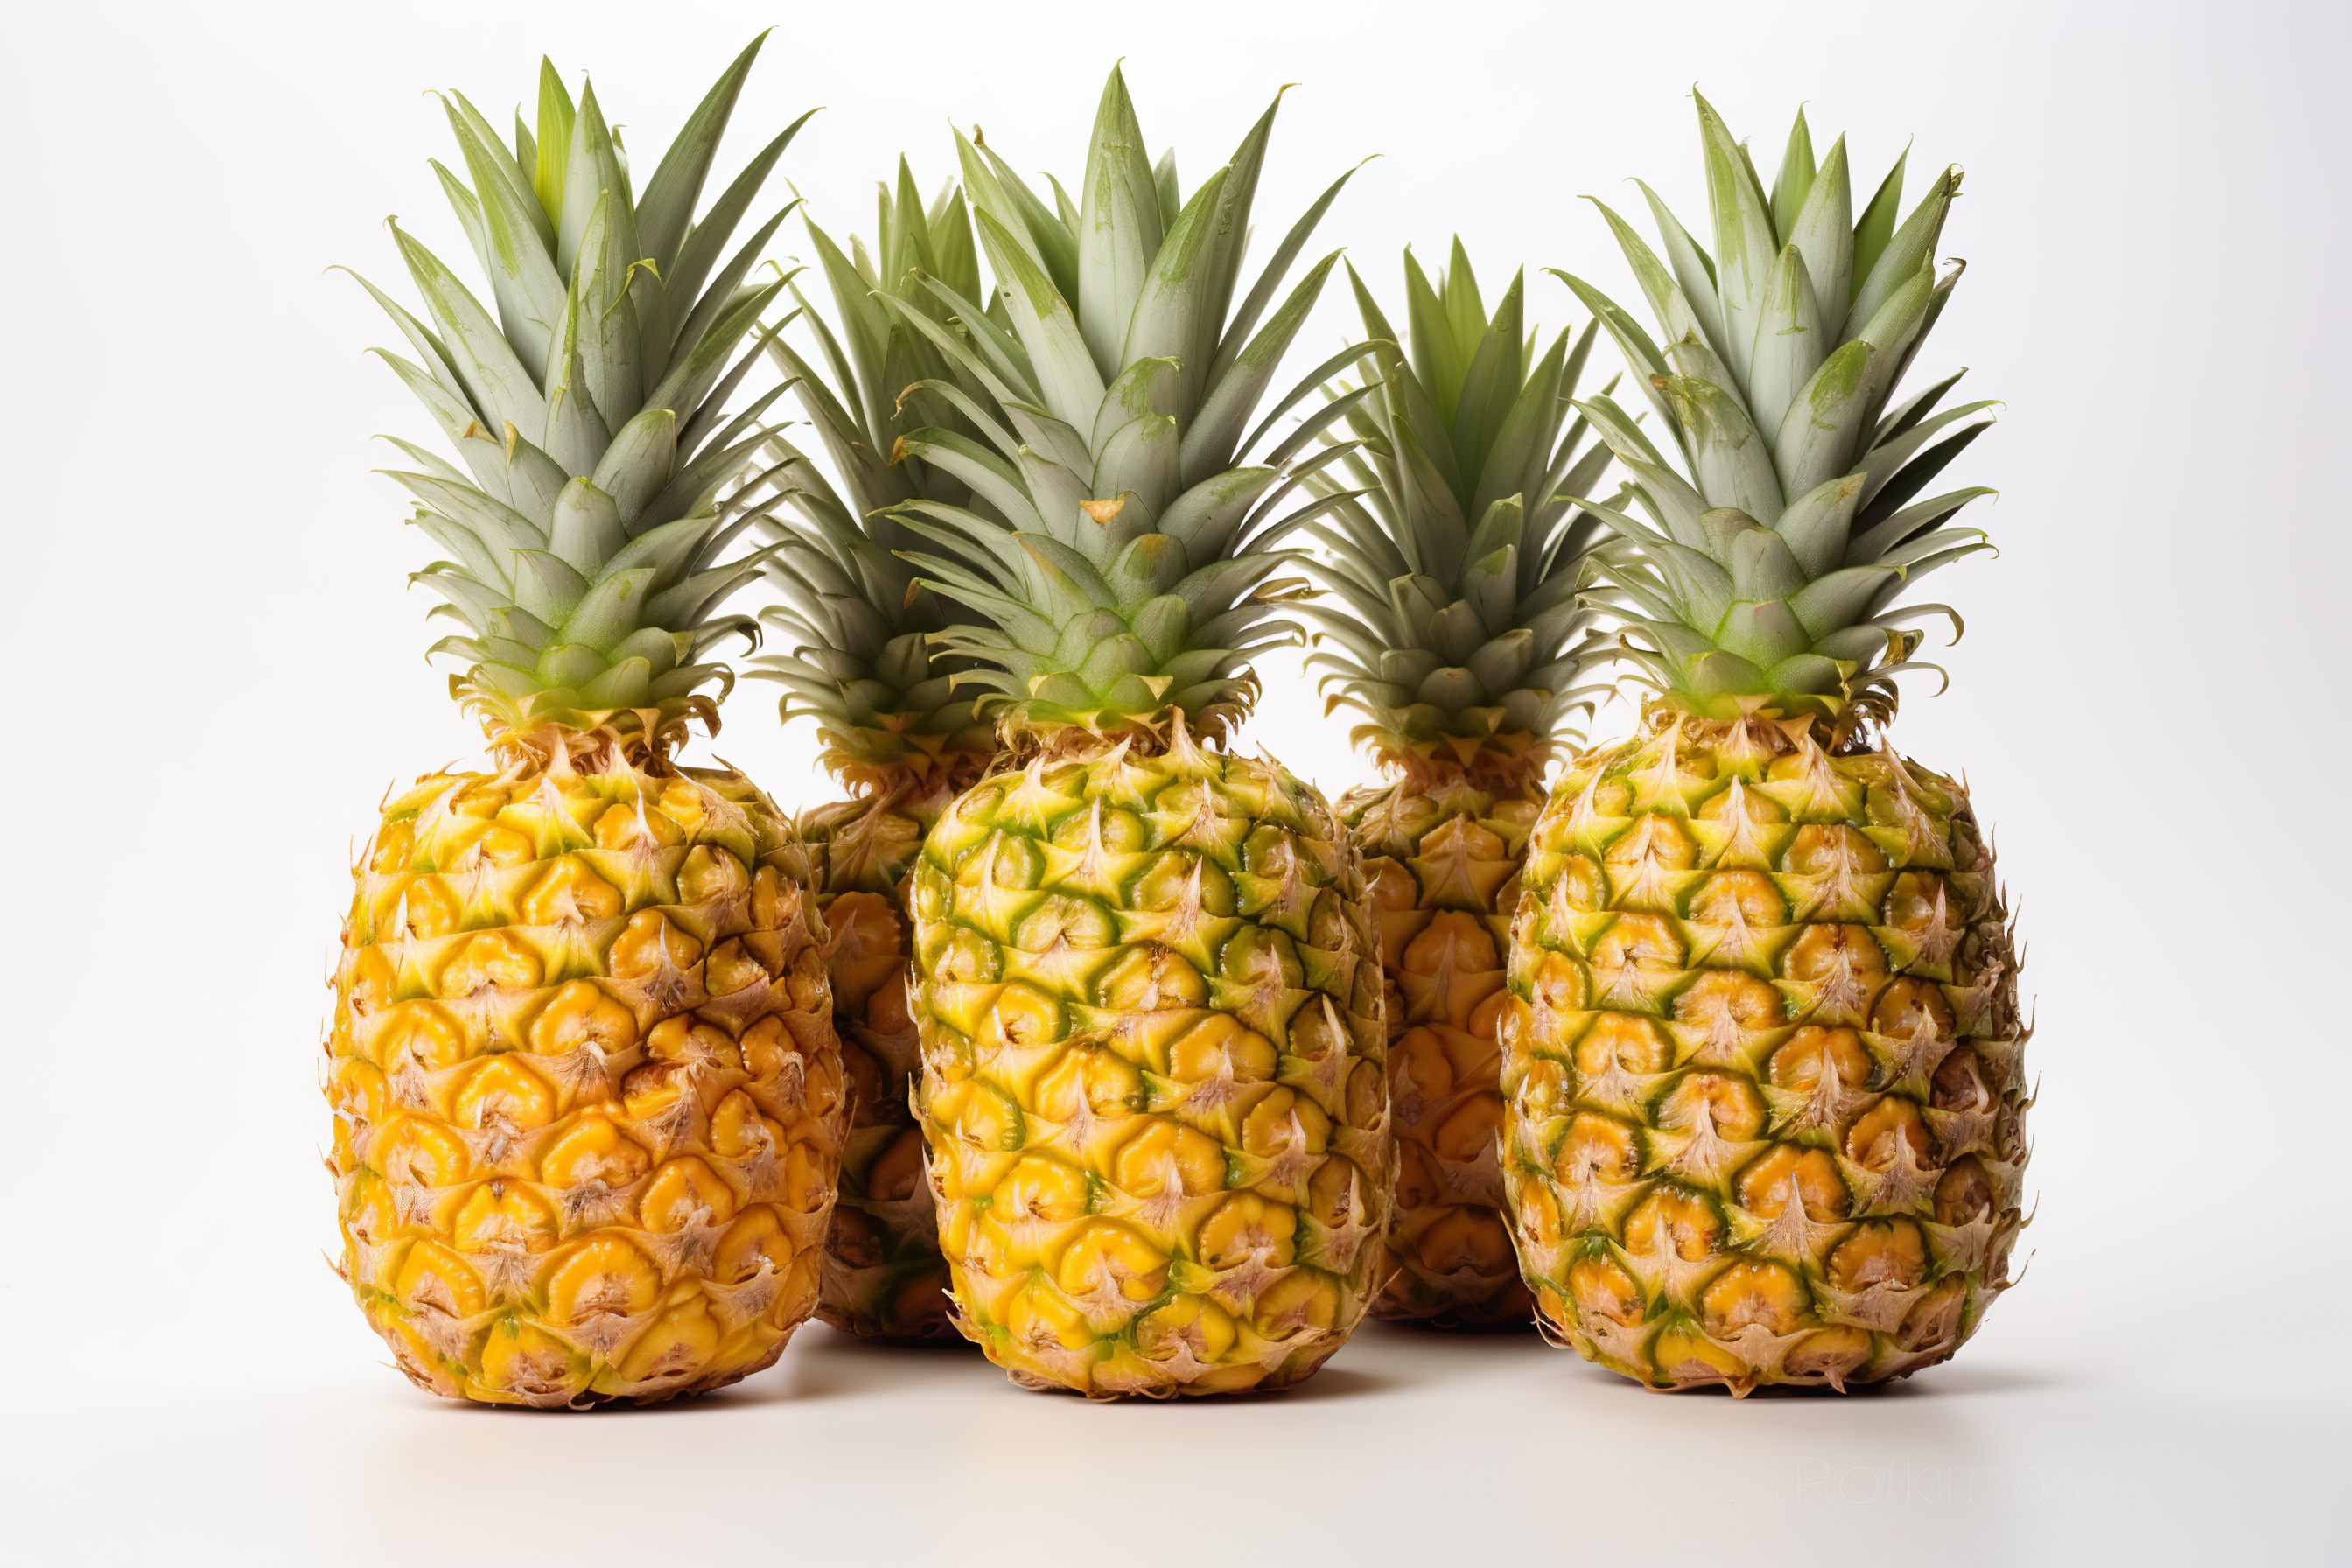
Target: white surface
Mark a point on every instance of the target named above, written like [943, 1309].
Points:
[1409, 1447]
[208, 588]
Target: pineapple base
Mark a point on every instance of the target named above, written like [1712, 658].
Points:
[588, 1104]
[1152, 1071]
[1441, 856]
[884, 1278]
[1763, 1060]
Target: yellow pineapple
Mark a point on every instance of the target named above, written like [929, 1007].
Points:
[1149, 1002]
[588, 1104]
[1453, 559]
[1764, 1054]
[851, 633]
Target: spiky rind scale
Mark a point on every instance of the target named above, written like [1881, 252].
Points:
[1763, 1060]
[1152, 1071]
[588, 1104]
[884, 1277]
[1440, 860]
[871, 759]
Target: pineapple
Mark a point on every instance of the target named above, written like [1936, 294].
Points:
[895, 726]
[1148, 997]
[1763, 1057]
[1453, 623]
[588, 1107]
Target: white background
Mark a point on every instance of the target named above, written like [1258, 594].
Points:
[218, 674]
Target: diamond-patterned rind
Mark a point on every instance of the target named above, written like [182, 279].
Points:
[884, 1277]
[588, 1104]
[1763, 1061]
[1152, 1072]
[1442, 875]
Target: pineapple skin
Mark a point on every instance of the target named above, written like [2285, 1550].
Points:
[884, 1278]
[1763, 1058]
[1152, 1076]
[588, 1106]
[1442, 852]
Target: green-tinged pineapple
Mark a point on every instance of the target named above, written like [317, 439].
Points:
[895, 726]
[588, 1105]
[1149, 999]
[1452, 623]
[1764, 1056]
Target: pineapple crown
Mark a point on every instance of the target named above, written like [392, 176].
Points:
[587, 527]
[852, 625]
[1453, 563]
[1115, 545]
[1763, 568]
